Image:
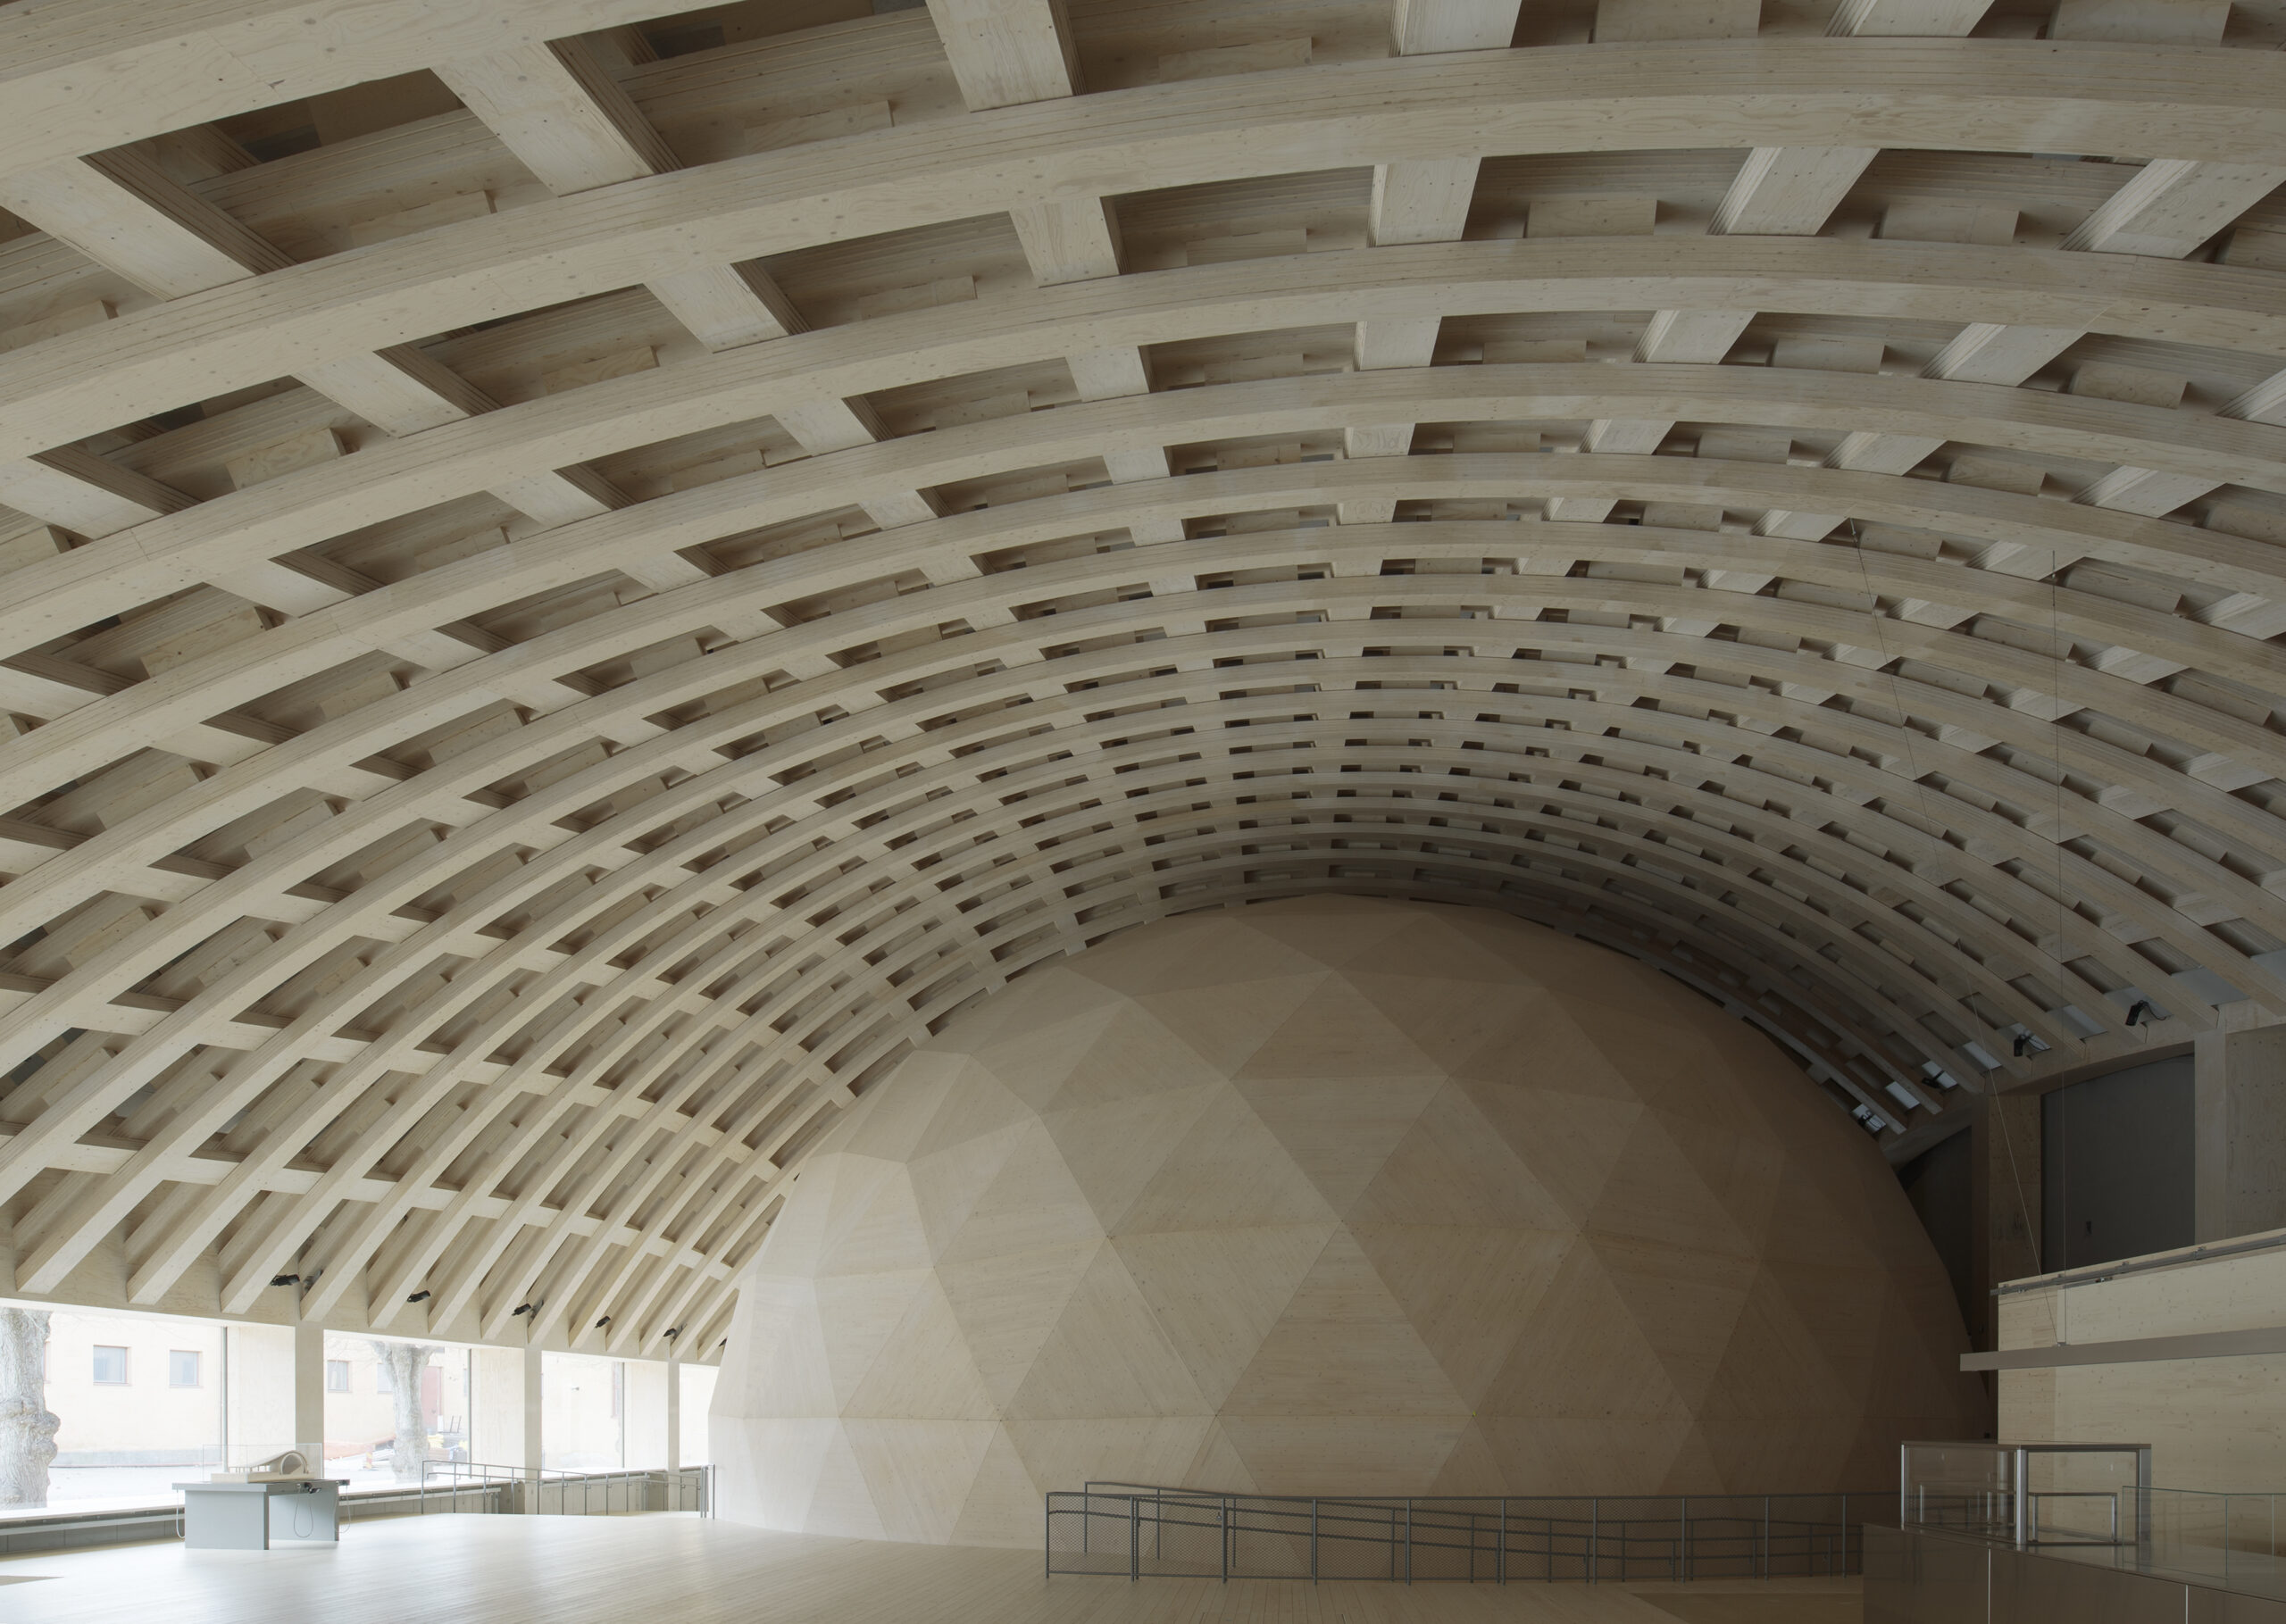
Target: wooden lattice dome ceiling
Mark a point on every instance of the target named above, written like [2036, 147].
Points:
[574, 579]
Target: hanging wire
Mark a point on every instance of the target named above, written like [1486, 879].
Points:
[2055, 740]
[1992, 1099]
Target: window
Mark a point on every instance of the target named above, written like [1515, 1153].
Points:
[182, 1367]
[384, 1379]
[111, 1367]
[336, 1375]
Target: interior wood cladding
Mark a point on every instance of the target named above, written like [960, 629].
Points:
[1330, 1195]
[575, 581]
[2206, 1414]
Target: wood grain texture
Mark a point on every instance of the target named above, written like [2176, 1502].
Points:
[2201, 1413]
[517, 710]
[1329, 1196]
[584, 1570]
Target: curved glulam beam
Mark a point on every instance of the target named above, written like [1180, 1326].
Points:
[72, 385]
[740, 832]
[93, 74]
[1352, 600]
[702, 1303]
[1292, 701]
[1517, 594]
[2026, 96]
[86, 583]
[147, 713]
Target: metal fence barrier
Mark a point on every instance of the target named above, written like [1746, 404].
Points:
[445, 1486]
[464, 1486]
[1147, 1532]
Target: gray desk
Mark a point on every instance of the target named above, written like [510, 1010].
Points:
[259, 1516]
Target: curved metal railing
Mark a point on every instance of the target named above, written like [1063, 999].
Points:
[1141, 1530]
[468, 1486]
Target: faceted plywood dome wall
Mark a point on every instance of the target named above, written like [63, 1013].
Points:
[1330, 1195]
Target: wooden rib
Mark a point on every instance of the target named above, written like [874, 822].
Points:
[774, 202]
[764, 795]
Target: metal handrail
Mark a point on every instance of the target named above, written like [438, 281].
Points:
[526, 1488]
[1996, 1500]
[1166, 1530]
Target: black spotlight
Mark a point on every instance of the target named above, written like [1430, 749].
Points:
[418, 1297]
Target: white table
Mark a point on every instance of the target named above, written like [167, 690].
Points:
[260, 1516]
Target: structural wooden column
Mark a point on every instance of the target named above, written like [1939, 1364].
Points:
[2240, 1144]
[531, 1458]
[506, 1429]
[674, 1412]
[309, 1389]
[261, 1390]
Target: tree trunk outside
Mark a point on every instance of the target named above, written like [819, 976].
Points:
[406, 1361]
[27, 1426]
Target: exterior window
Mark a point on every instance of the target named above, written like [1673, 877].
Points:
[111, 1367]
[618, 1390]
[336, 1375]
[182, 1367]
[384, 1381]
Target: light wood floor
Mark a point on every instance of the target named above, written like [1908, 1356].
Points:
[638, 1569]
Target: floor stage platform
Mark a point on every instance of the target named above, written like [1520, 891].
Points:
[471, 1570]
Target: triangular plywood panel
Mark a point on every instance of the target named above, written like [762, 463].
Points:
[924, 1371]
[1107, 1356]
[1033, 1201]
[1338, 1134]
[1217, 1293]
[999, 1497]
[1228, 1171]
[918, 1473]
[1403, 1222]
[1114, 1150]
[1470, 1291]
[596, 704]
[1337, 1032]
[1008, 1305]
[856, 1316]
[1225, 1030]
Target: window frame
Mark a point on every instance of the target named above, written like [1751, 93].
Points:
[126, 1366]
[197, 1368]
[341, 1366]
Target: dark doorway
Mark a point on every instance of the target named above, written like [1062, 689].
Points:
[2117, 1172]
[1938, 1182]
